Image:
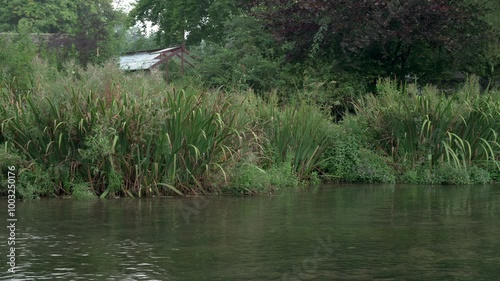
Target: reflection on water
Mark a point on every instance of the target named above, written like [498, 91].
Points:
[326, 233]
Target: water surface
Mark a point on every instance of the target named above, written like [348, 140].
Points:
[365, 232]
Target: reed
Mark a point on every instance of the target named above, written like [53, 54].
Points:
[427, 128]
[124, 139]
[298, 133]
[132, 135]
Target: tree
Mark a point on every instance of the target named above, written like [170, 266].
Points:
[380, 37]
[16, 57]
[49, 16]
[86, 29]
[96, 36]
[248, 57]
[192, 20]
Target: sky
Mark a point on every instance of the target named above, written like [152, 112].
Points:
[126, 6]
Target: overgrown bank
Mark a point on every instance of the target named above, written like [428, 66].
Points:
[101, 132]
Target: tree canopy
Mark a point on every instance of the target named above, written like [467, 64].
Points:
[192, 20]
[50, 16]
[88, 28]
[380, 37]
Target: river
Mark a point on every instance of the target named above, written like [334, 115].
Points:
[329, 232]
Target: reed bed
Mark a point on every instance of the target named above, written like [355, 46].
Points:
[113, 134]
[422, 127]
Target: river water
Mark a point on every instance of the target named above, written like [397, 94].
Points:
[330, 232]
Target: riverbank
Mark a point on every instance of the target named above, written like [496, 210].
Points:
[101, 132]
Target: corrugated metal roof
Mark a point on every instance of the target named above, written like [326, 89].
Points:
[143, 60]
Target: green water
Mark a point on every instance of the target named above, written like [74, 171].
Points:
[323, 233]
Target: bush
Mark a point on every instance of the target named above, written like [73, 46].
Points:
[17, 54]
[245, 60]
[82, 191]
[373, 168]
[418, 175]
[248, 178]
[341, 157]
[345, 160]
[36, 182]
[478, 175]
[449, 174]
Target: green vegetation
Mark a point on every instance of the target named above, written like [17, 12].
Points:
[265, 108]
[101, 131]
[432, 137]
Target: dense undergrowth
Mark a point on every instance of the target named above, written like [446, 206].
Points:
[429, 137]
[101, 132]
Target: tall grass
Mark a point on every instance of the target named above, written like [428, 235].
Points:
[132, 135]
[295, 134]
[424, 127]
[123, 139]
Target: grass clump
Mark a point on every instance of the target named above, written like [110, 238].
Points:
[424, 129]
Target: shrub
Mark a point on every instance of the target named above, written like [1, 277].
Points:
[246, 59]
[341, 156]
[418, 175]
[373, 168]
[36, 182]
[17, 55]
[446, 173]
[478, 175]
[248, 178]
[82, 191]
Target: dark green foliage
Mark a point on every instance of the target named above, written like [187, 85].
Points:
[9, 157]
[195, 19]
[429, 128]
[478, 175]
[48, 16]
[341, 157]
[434, 138]
[16, 57]
[85, 30]
[418, 175]
[345, 160]
[95, 38]
[246, 58]
[298, 134]
[251, 179]
[494, 171]
[100, 132]
[36, 182]
[381, 37]
[127, 143]
[136, 39]
[373, 168]
[448, 174]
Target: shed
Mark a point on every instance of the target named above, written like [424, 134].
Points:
[146, 60]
